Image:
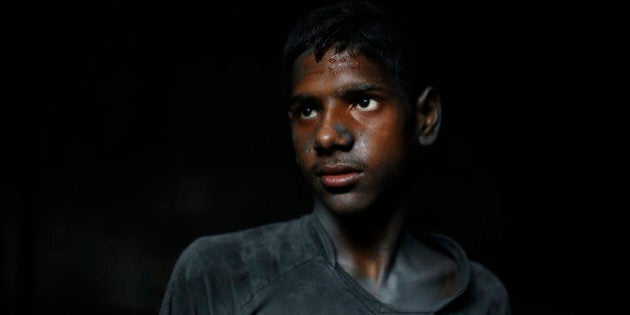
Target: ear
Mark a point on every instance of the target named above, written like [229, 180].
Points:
[428, 114]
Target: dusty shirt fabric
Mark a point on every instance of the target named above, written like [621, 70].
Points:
[289, 268]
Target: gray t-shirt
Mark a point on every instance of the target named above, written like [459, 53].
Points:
[290, 268]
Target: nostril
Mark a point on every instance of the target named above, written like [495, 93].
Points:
[331, 139]
[344, 135]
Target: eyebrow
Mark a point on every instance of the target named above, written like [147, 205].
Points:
[359, 89]
[344, 93]
[302, 99]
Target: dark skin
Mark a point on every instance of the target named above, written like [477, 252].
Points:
[354, 134]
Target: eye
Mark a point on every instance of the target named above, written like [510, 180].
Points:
[304, 107]
[307, 112]
[366, 104]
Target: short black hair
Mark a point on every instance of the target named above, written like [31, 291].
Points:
[358, 26]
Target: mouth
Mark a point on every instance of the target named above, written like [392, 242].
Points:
[338, 175]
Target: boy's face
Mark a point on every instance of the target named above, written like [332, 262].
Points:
[350, 128]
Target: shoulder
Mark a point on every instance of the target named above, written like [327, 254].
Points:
[249, 249]
[232, 267]
[483, 292]
[485, 280]
[220, 273]
[487, 290]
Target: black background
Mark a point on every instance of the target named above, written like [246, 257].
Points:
[129, 129]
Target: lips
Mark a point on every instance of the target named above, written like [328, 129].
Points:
[338, 175]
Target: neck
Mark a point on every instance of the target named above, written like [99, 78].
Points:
[366, 242]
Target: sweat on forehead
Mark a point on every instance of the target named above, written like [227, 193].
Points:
[341, 60]
[332, 59]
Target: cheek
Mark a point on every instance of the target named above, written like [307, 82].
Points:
[384, 144]
[302, 144]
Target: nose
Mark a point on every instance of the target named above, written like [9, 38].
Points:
[333, 133]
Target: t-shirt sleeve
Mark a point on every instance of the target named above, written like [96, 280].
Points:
[193, 287]
[489, 291]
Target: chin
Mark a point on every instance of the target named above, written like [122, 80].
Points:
[345, 203]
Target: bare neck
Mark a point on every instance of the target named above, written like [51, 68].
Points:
[366, 243]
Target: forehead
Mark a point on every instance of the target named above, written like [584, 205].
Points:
[338, 69]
